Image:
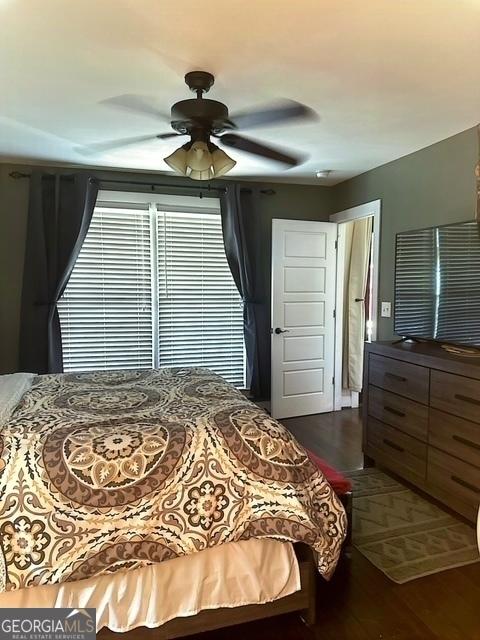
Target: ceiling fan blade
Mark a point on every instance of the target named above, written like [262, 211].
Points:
[110, 145]
[259, 149]
[173, 134]
[137, 104]
[278, 112]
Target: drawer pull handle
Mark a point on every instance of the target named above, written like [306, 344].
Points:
[392, 445]
[396, 412]
[469, 443]
[459, 396]
[395, 376]
[467, 485]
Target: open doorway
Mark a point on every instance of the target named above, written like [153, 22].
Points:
[356, 297]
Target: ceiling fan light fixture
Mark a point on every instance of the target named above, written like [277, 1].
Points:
[200, 160]
[178, 160]
[200, 175]
[199, 157]
[222, 163]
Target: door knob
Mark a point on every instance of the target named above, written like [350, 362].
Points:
[278, 330]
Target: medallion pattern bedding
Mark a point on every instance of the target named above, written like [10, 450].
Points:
[108, 471]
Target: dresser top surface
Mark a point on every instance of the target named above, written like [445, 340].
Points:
[428, 354]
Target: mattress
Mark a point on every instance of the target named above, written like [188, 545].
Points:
[235, 574]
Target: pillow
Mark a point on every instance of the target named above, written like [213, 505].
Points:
[12, 389]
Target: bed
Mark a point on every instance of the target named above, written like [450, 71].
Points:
[122, 477]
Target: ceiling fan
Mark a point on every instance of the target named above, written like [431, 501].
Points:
[201, 119]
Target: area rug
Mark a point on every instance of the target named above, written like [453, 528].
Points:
[404, 535]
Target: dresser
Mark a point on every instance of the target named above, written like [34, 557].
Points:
[421, 417]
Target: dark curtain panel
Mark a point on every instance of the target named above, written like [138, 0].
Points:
[59, 214]
[240, 236]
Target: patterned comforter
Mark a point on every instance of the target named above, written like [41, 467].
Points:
[109, 471]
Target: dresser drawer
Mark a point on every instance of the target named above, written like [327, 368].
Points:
[407, 415]
[456, 436]
[456, 394]
[401, 453]
[458, 480]
[408, 380]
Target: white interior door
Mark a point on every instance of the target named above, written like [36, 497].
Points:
[303, 323]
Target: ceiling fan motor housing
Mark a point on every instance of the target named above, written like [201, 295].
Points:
[199, 113]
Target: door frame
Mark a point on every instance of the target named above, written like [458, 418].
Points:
[368, 209]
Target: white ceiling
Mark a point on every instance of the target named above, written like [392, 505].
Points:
[387, 77]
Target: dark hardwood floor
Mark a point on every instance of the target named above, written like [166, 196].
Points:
[360, 603]
[336, 437]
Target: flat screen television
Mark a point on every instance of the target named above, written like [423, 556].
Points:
[437, 284]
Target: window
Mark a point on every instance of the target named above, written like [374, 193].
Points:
[152, 288]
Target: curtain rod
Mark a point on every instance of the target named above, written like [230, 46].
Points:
[16, 175]
[163, 185]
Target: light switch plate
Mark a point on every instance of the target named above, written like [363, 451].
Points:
[386, 309]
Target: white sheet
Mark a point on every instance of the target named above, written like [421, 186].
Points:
[12, 388]
[246, 572]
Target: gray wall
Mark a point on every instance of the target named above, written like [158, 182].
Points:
[289, 201]
[433, 186]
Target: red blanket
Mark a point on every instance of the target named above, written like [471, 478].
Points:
[339, 483]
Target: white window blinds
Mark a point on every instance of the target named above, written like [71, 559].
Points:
[106, 310]
[152, 287]
[199, 308]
